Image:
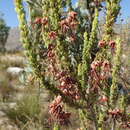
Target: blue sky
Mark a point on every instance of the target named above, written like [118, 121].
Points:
[7, 7]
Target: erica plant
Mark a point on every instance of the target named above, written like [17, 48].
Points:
[70, 60]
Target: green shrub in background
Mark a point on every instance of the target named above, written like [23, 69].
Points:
[62, 46]
[27, 109]
[4, 32]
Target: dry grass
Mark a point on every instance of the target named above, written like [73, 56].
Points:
[15, 60]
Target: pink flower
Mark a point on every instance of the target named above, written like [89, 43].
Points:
[37, 20]
[69, 87]
[112, 44]
[115, 112]
[52, 35]
[50, 54]
[95, 64]
[57, 113]
[101, 44]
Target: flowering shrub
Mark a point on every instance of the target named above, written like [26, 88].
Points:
[70, 61]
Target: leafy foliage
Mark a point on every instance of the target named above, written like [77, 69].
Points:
[4, 31]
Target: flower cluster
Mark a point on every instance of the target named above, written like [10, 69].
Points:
[43, 21]
[69, 25]
[52, 35]
[68, 86]
[95, 79]
[66, 83]
[57, 113]
[105, 70]
[96, 64]
[115, 113]
[111, 44]
[119, 114]
[100, 70]
[51, 52]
